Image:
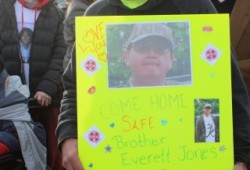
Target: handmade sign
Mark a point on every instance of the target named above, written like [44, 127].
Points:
[154, 92]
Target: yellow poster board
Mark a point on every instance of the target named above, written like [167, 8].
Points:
[132, 117]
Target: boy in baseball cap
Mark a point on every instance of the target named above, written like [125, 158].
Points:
[149, 54]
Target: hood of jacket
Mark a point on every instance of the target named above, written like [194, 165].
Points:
[40, 4]
[148, 5]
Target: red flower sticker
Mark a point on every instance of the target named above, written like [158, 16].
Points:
[211, 54]
[94, 136]
[90, 65]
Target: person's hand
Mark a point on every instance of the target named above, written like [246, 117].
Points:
[42, 98]
[70, 159]
[240, 166]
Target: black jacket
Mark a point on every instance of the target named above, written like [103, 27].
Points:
[241, 105]
[47, 51]
[200, 129]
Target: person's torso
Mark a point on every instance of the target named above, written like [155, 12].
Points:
[43, 38]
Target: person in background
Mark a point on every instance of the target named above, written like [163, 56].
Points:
[62, 4]
[18, 132]
[224, 6]
[240, 37]
[42, 68]
[75, 8]
[67, 126]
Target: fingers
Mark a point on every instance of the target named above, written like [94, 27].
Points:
[72, 163]
[240, 166]
[46, 101]
[70, 159]
[42, 98]
[68, 166]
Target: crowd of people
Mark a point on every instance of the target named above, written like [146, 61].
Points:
[37, 50]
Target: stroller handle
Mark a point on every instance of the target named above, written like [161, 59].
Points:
[32, 103]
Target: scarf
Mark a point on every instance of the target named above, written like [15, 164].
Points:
[133, 3]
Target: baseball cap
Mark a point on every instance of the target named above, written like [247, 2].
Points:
[207, 105]
[145, 30]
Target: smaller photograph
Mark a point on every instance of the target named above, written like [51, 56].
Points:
[25, 37]
[207, 120]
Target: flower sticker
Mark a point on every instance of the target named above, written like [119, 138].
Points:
[211, 54]
[94, 136]
[90, 65]
[92, 90]
[207, 29]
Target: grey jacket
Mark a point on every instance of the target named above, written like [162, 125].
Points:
[75, 8]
